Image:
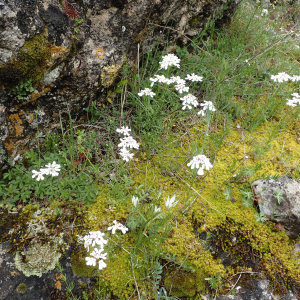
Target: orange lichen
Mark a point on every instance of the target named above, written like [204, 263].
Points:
[100, 53]
[58, 285]
[57, 52]
[16, 125]
[37, 95]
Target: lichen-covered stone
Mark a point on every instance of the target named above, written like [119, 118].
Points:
[38, 259]
[286, 210]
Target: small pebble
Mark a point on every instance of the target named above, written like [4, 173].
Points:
[297, 247]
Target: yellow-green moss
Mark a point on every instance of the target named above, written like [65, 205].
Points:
[102, 214]
[21, 288]
[202, 205]
[79, 267]
[184, 284]
[239, 150]
[118, 274]
[30, 63]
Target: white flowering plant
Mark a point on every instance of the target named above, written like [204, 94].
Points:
[95, 243]
[149, 219]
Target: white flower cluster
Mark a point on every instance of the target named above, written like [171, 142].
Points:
[50, 169]
[200, 162]
[169, 60]
[283, 76]
[127, 142]
[160, 79]
[293, 102]
[146, 92]
[188, 101]
[207, 105]
[97, 241]
[117, 226]
[194, 78]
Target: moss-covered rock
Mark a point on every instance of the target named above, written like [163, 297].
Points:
[30, 63]
[21, 288]
[184, 284]
[79, 267]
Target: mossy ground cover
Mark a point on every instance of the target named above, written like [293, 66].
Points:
[253, 134]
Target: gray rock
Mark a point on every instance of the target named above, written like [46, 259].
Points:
[287, 212]
[260, 292]
[74, 63]
[44, 287]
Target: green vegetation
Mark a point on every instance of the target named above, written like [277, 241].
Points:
[28, 68]
[22, 288]
[252, 134]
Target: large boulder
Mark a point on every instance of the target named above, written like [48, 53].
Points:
[57, 57]
[279, 200]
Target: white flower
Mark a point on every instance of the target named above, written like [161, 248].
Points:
[160, 79]
[207, 105]
[117, 226]
[156, 209]
[293, 102]
[194, 78]
[123, 28]
[98, 239]
[97, 253]
[264, 12]
[178, 80]
[200, 162]
[170, 202]
[87, 241]
[53, 169]
[39, 174]
[247, 62]
[128, 141]
[295, 78]
[146, 92]
[125, 154]
[181, 88]
[169, 60]
[90, 261]
[281, 77]
[93, 238]
[102, 264]
[188, 101]
[135, 200]
[124, 130]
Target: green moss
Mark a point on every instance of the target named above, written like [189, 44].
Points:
[79, 267]
[102, 214]
[30, 63]
[210, 207]
[21, 288]
[184, 284]
[118, 274]
[204, 210]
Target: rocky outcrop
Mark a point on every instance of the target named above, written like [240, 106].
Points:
[56, 57]
[260, 291]
[279, 200]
